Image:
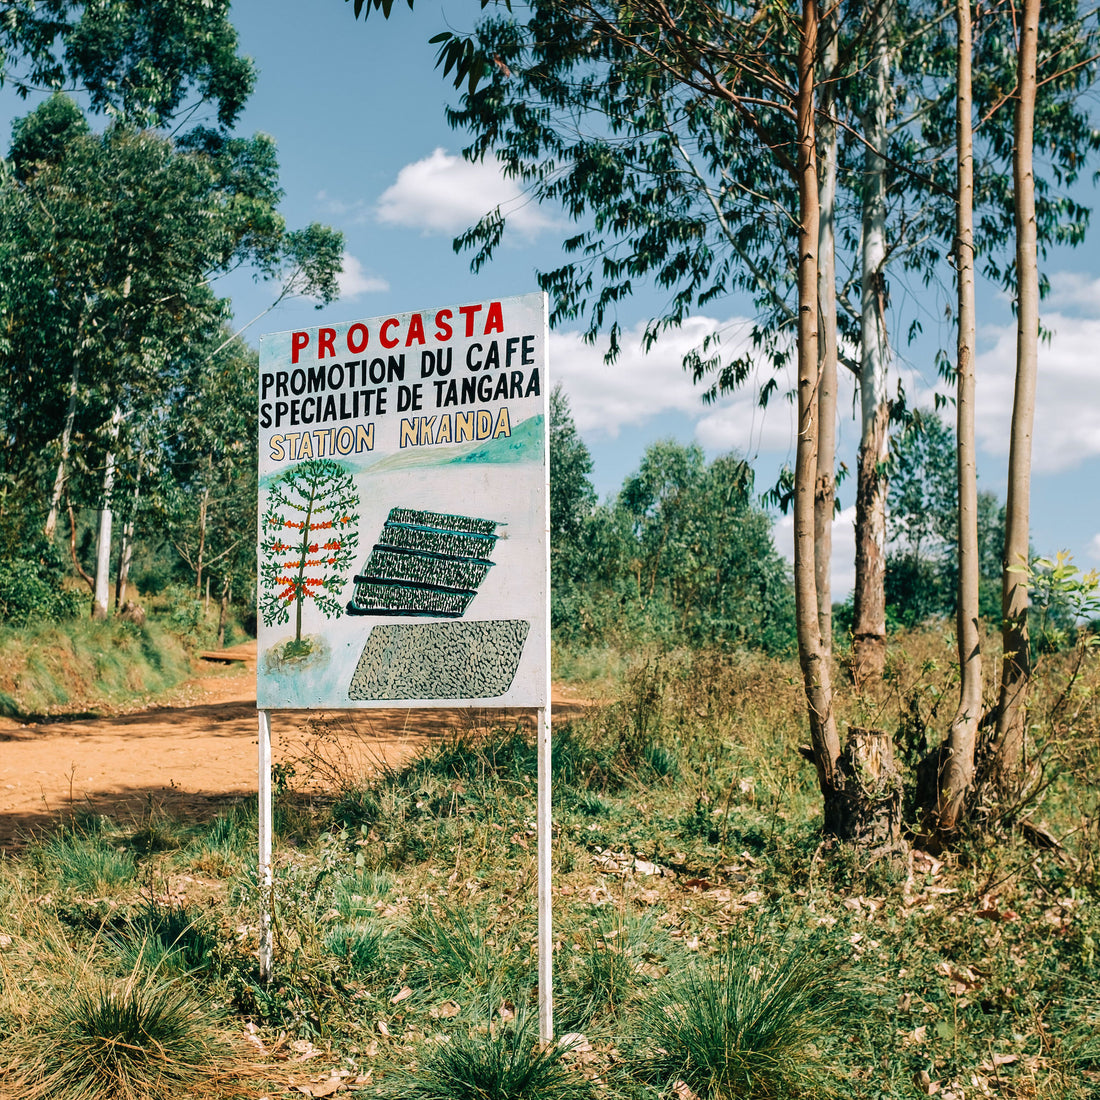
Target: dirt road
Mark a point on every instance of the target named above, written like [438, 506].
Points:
[193, 753]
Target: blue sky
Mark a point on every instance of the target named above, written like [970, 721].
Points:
[357, 111]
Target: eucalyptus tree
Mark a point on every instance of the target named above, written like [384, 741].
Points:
[1028, 79]
[1016, 643]
[109, 242]
[702, 176]
[207, 468]
[955, 771]
[169, 75]
[148, 61]
[690, 178]
[673, 181]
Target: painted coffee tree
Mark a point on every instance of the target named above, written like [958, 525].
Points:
[308, 536]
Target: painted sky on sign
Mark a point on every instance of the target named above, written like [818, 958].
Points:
[357, 111]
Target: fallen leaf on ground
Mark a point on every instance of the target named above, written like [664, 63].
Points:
[575, 1042]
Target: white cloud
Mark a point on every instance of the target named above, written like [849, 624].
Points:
[1073, 290]
[446, 194]
[843, 571]
[353, 280]
[640, 385]
[1067, 412]
[1094, 548]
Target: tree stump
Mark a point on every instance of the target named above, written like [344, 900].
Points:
[132, 613]
[866, 809]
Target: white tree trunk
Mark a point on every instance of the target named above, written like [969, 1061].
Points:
[1016, 660]
[825, 493]
[66, 446]
[956, 765]
[814, 665]
[869, 627]
[101, 597]
[126, 549]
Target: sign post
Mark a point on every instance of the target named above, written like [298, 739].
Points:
[404, 523]
[264, 830]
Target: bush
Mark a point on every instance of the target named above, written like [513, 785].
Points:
[31, 587]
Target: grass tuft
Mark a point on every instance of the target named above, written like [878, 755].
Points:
[164, 940]
[503, 1064]
[86, 863]
[359, 945]
[453, 950]
[138, 1039]
[747, 1025]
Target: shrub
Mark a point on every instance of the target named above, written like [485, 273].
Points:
[31, 587]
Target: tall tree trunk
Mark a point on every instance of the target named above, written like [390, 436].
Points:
[202, 542]
[126, 549]
[203, 509]
[825, 490]
[89, 581]
[811, 655]
[869, 598]
[66, 443]
[223, 609]
[125, 560]
[1016, 660]
[101, 597]
[956, 764]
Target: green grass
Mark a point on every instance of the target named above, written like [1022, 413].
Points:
[405, 911]
[615, 955]
[224, 847]
[141, 1038]
[81, 665]
[88, 864]
[359, 946]
[358, 894]
[462, 952]
[751, 1023]
[497, 1063]
[164, 940]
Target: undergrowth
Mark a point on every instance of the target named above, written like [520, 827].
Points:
[707, 943]
[81, 665]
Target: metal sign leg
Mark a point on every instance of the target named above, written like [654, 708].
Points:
[546, 934]
[265, 811]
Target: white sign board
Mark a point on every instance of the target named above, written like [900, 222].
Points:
[404, 511]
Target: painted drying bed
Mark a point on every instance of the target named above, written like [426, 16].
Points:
[468, 660]
[425, 563]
